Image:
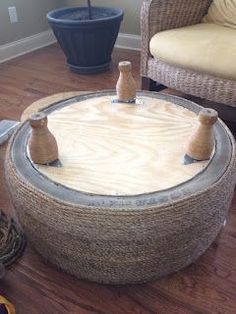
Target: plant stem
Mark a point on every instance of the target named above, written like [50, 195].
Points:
[89, 9]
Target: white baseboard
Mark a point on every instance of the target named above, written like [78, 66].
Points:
[128, 41]
[46, 38]
[26, 45]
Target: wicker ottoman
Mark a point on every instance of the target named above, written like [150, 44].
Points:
[122, 208]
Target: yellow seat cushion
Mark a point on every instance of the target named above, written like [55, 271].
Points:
[222, 12]
[205, 48]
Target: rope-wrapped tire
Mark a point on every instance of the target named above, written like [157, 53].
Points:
[116, 239]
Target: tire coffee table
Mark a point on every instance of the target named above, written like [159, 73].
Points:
[123, 208]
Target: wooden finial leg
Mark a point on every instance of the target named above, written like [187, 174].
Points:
[126, 87]
[42, 144]
[201, 143]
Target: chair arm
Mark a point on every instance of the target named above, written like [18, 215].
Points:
[160, 15]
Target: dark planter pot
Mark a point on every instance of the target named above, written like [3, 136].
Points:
[87, 44]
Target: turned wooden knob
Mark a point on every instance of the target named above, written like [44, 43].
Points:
[201, 143]
[125, 87]
[42, 144]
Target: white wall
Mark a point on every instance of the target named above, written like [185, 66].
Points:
[31, 15]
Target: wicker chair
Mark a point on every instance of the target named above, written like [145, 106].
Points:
[160, 15]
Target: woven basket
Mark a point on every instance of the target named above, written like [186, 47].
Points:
[121, 240]
[12, 242]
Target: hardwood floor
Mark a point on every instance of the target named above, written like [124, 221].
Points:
[36, 287]
[44, 72]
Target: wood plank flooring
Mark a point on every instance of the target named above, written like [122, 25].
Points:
[36, 287]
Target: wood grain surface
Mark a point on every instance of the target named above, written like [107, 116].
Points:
[35, 287]
[121, 149]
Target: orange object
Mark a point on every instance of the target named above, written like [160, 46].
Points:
[6, 306]
[201, 143]
[125, 87]
[42, 144]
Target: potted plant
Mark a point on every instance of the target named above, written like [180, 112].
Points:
[87, 35]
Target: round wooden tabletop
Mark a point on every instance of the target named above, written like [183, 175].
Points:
[121, 149]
